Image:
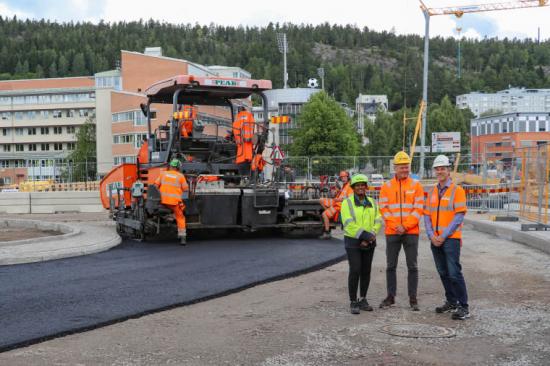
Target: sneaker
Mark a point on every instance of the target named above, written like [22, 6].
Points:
[183, 240]
[446, 308]
[364, 305]
[354, 307]
[461, 313]
[387, 302]
[414, 303]
[326, 236]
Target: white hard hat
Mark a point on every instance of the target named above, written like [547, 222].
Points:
[441, 160]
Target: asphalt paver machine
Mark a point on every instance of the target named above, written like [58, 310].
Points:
[222, 194]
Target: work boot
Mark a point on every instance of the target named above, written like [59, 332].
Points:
[182, 234]
[446, 308]
[414, 303]
[387, 302]
[364, 305]
[354, 307]
[326, 235]
[461, 313]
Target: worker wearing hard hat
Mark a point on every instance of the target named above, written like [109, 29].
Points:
[443, 216]
[172, 184]
[401, 203]
[332, 206]
[362, 221]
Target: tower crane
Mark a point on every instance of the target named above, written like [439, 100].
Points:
[458, 11]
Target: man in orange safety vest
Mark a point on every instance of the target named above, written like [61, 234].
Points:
[332, 206]
[401, 204]
[172, 184]
[243, 132]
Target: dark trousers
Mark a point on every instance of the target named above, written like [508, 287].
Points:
[393, 247]
[447, 262]
[360, 261]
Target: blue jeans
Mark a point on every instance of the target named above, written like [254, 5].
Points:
[447, 262]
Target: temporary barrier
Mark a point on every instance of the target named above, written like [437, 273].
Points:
[535, 185]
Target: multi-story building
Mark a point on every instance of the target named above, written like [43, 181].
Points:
[367, 106]
[506, 101]
[496, 137]
[38, 122]
[121, 125]
[39, 118]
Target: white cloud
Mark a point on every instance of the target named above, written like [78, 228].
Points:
[403, 16]
[6, 11]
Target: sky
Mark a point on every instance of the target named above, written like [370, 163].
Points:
[401, 16]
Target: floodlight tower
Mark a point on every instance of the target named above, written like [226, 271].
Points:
[283, 48]
[457, 11]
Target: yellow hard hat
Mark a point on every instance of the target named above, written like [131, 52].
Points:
[401, 158]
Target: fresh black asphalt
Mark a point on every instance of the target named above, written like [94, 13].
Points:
[41, 301]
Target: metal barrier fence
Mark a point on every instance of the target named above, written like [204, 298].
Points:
[535, 184]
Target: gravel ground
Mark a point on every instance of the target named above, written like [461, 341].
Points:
[7, 235]
[306, 321]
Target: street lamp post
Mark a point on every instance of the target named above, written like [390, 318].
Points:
[283, 48]
[424, 92]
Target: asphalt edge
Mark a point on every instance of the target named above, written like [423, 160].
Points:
[281, 277]
[520, 237]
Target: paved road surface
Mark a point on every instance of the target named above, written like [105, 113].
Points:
[42, 300]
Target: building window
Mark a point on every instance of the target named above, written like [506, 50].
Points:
[44, 99]
[70, 129]
[7, 148]
[44, 114]
[45, 147]
[19, 116]
[32, 147]
[532, 126]
[83, 112]
[69, 113]
[19, 131]
[71, 146]
[57, 98]
[31, 99]
[19, 100]
[522, 126]
[19, 147]
[473, 130]
[5, 115]
[56, 114]
[5, 132]
[58, 146]
[31, 131]
[5, 100]
[44, 130]
[496, 127]
[58, 130]
[139, 139]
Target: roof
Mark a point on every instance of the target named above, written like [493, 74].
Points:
[204, 90]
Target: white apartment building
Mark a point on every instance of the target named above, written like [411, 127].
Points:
[367, 106]
[506, 101]
[38, 126]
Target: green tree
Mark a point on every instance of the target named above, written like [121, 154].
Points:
[324, 129]
[84, 155]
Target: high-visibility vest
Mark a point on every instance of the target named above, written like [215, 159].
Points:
[443, 209]
[402, 203]
[258, 163]
[189, 114]
[171, 184]
[358, 219]
[245, 121]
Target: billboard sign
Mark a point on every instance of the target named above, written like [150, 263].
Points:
[445, 142]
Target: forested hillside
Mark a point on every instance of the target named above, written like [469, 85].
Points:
[355, 60]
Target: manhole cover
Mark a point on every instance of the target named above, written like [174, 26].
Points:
[417, 331]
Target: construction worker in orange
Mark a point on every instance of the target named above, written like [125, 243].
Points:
[243, 131]
[402, 205]
[332, 206]
[186, 126]
[443, 216]
[172, 184]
